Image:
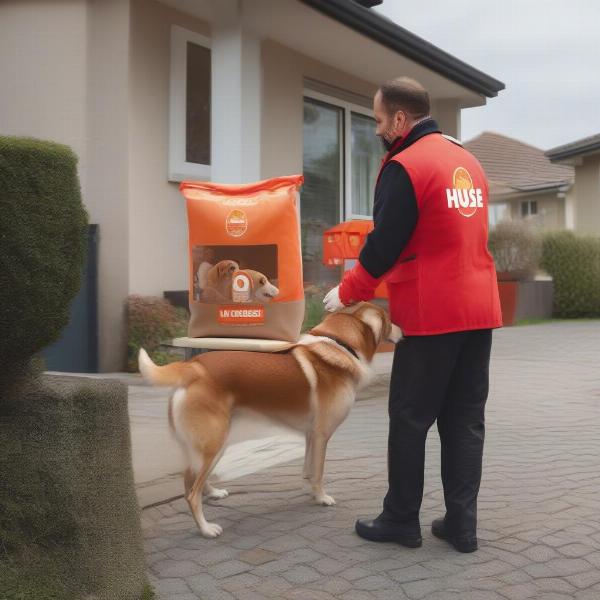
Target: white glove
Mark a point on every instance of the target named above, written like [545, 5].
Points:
[332, 300]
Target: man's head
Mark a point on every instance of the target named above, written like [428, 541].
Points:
[397, 105]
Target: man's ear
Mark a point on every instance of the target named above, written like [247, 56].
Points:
[395, 334]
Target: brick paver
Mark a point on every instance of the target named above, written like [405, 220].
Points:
[539, 511]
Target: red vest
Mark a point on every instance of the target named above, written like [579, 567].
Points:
[445, 279]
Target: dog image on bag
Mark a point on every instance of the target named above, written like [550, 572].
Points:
[225, 283]
[252, 286]
[310, 388]
[218, 282]
[204, 258]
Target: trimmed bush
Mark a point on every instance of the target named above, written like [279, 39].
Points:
[516, 247]
[69, 519]
[42, 244]
[152, 321]
[574, 263]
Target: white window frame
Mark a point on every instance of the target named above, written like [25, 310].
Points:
[346, 154]
[529, 213]
[179, 168]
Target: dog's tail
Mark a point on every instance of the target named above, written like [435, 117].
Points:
[178, 374]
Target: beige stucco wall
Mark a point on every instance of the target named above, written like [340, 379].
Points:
[551, 210]
[587, 203]
[108, 149]
[284, 71]
[44, 72]
[65, 71]
[157, 218]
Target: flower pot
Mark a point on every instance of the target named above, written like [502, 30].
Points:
[517, 275]
[508, 300]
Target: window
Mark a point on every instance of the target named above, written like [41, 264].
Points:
[366, 154]
[321, 199]
[498, 212]
[342, 156]
[529, 208]
[189, 106]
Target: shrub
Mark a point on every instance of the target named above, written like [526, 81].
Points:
[42, 244]
[151, 321]
[574, 263]
[69, 517]
[314, 309]
[516, 247]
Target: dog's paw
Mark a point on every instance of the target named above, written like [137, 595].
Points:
[325, 500]
[211, 530]
[217, 494]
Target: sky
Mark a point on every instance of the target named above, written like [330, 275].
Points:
[546, 52]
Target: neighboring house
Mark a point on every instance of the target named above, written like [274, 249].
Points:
[584, 156]
[148, 93]
[524, 184]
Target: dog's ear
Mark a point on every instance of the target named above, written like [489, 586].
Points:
[395, 334]
[226, 268]
[379, 321]
[375, 317]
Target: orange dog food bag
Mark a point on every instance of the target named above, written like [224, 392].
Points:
[245, 261]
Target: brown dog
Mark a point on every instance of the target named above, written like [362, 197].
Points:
[218, 282]
[262, 289]
[310, 387]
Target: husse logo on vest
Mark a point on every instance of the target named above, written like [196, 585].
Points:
[463, 196]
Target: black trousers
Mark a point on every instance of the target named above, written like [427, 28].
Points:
[443, 377]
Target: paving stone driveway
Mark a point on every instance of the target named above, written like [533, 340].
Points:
[539, 508]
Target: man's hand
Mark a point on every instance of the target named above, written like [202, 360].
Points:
[332, 300]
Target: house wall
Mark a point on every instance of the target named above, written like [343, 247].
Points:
[44, 72]
[551, 210]
[570, 207]
[95, 75]
[284, 71]
[158, 256]
[108, 152]
[65, 72]
[587, 205]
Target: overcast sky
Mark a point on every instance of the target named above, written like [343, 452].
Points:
[546, 52]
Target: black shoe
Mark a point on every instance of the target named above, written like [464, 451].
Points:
[381, 530]
[460, 543]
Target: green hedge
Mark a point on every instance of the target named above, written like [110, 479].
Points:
[69, 519]
[574, 263]
[42, 244]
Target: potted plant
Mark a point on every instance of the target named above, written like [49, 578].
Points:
[517, 248]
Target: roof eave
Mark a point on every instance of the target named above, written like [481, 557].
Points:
[387, 33]
[517, 192]
[562, 153]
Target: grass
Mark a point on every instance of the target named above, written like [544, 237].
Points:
[525, 322]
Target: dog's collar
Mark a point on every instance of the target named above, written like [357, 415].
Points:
[341, 343]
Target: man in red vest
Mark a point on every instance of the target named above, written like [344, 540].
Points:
[429, 244]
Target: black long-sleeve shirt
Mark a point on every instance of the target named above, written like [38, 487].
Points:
[395, 209]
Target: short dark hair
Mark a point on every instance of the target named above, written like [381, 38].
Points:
[407, 95]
